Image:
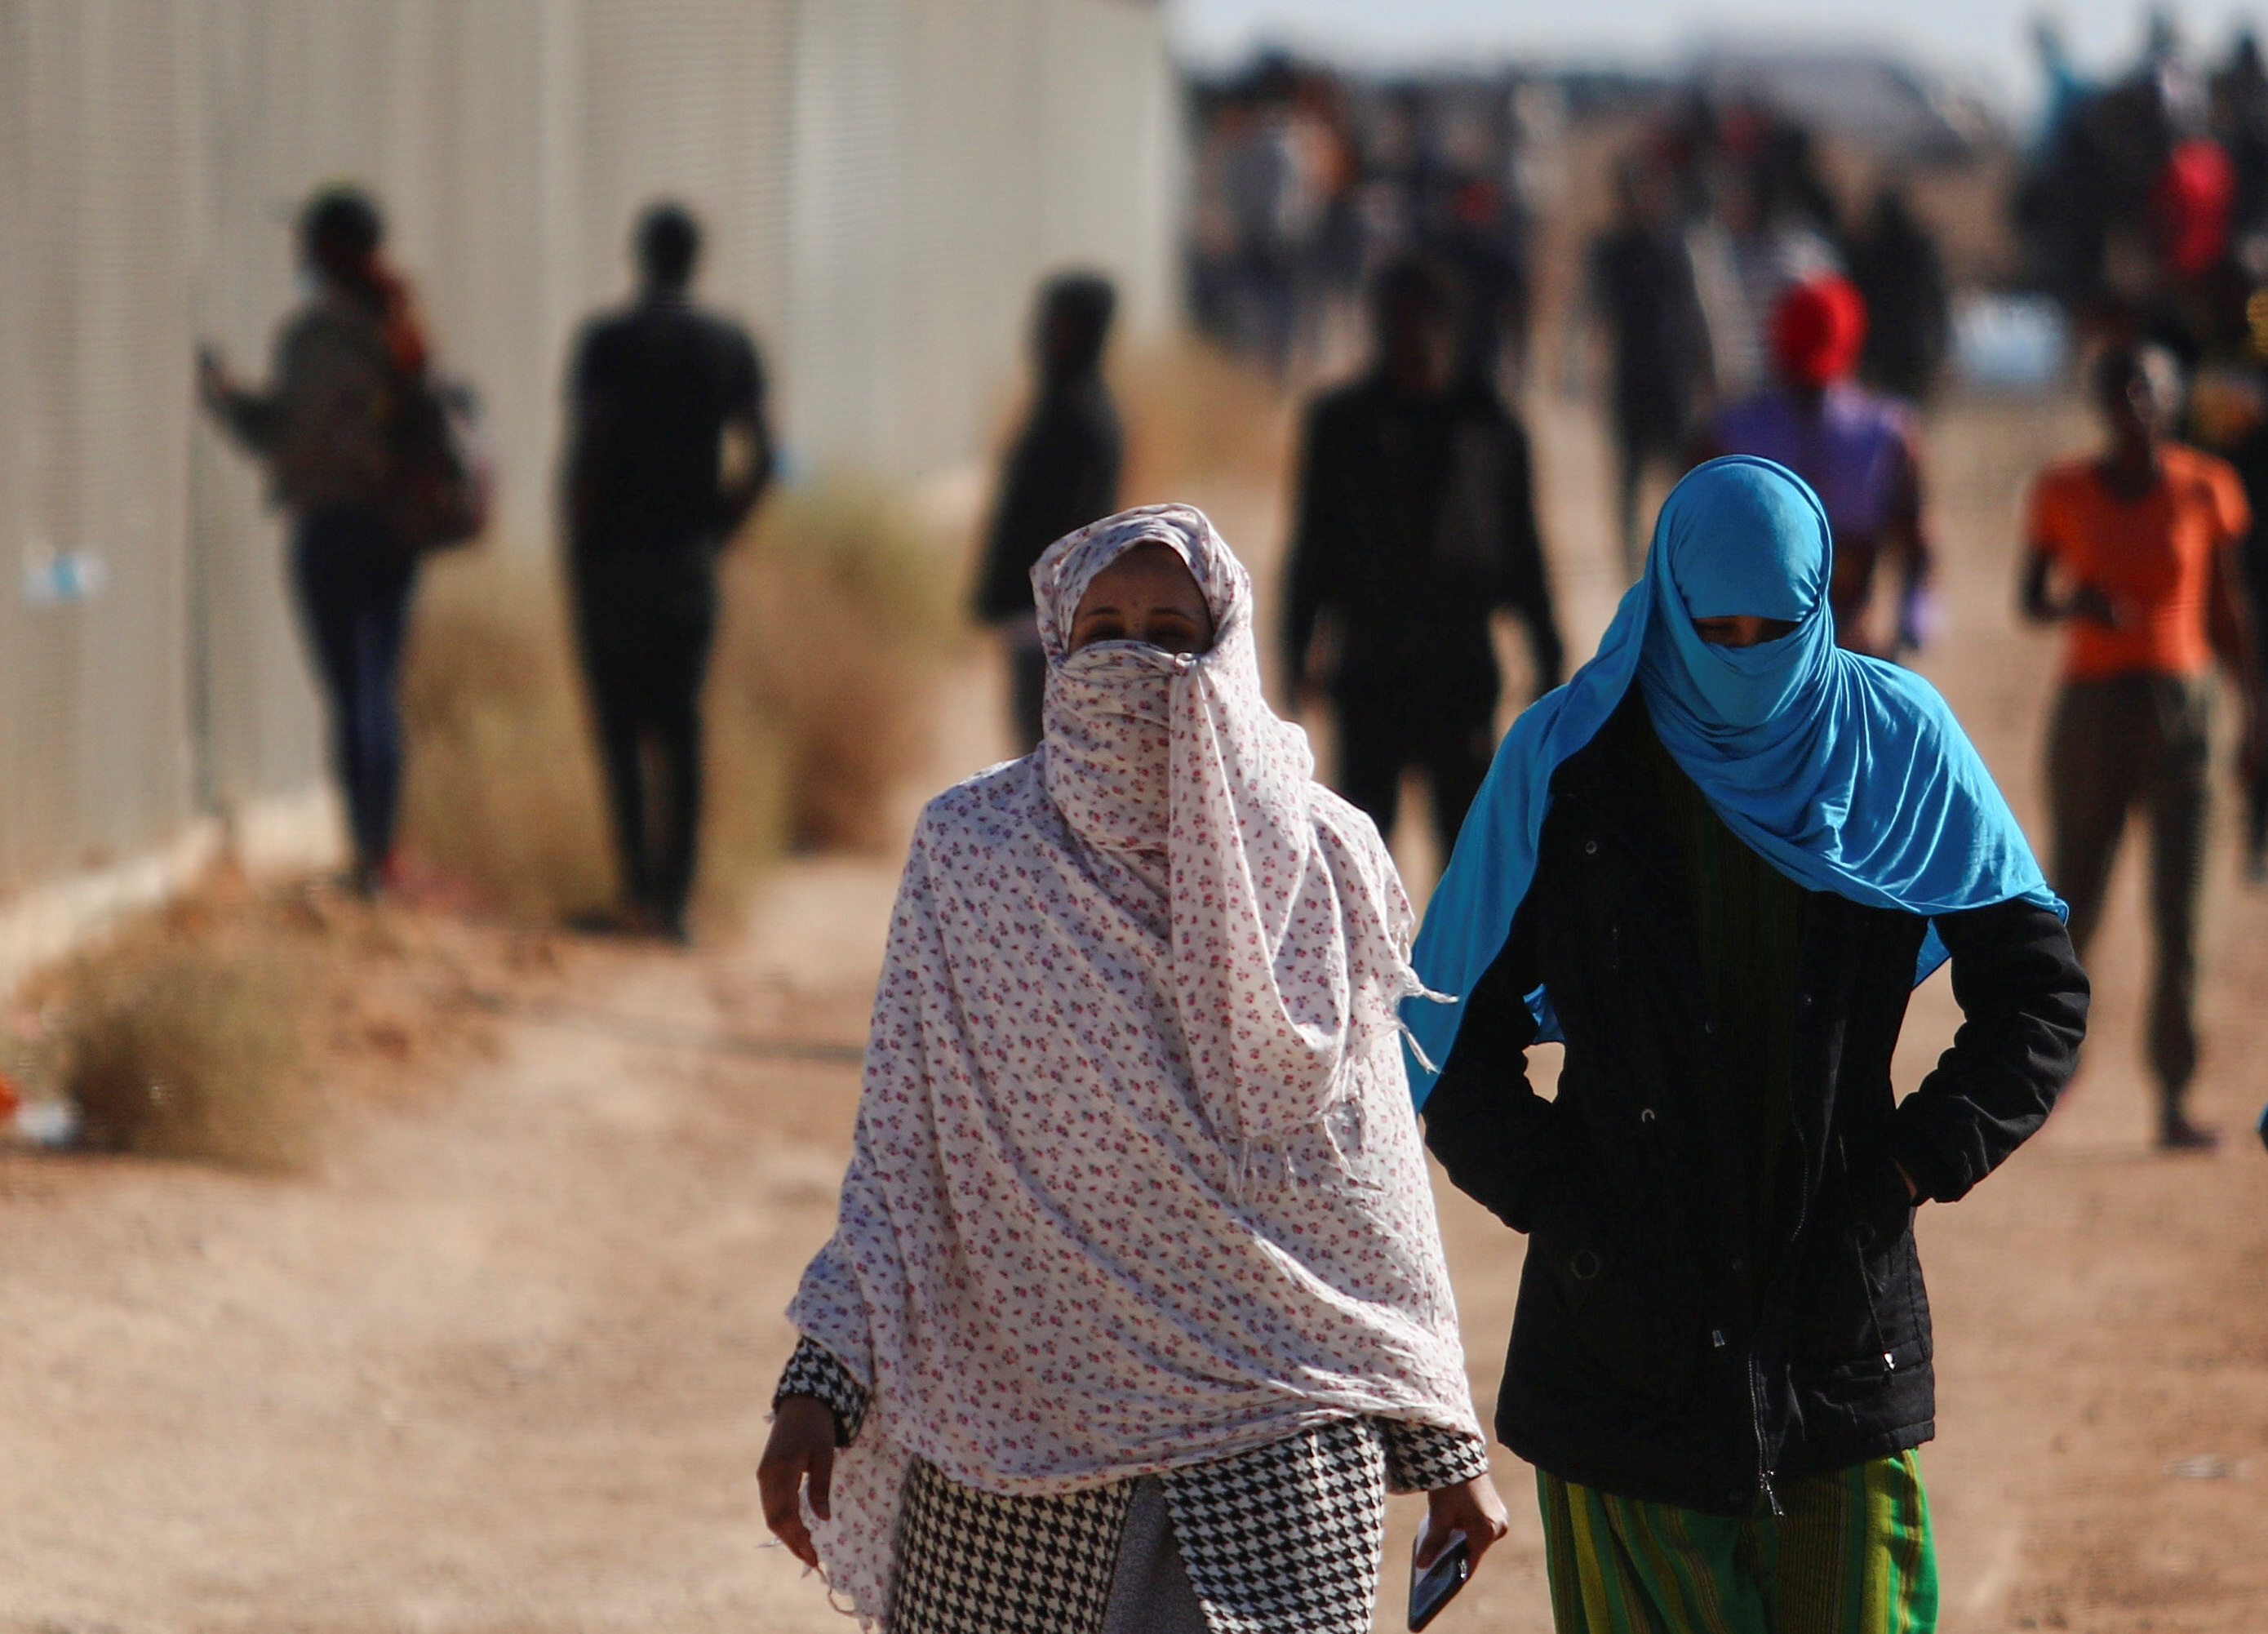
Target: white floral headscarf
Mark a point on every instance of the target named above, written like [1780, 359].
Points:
[1176, 762]
[1136, 1184]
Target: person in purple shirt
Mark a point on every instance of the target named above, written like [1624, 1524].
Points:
[1856, 448]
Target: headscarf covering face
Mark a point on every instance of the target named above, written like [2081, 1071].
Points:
[1174, 766]
[1845, 773]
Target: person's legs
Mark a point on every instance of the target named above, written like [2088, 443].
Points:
[1458, 751]
[382, 625]
[353, 587]
[678, 664]
[1854, 1553]
[1851, 1554]
[606, 620]
[1150, 1588]
[1027, 677]
[2255, 792]
[1630, 456]
[2178, 799]
[2093, 777]
[1287, 1536]
[1374, 745]
[1619, 1565]
[968, 1559]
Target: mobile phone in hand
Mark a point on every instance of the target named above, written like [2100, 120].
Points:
[1438, 1584]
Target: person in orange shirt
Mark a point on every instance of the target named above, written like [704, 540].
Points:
[2133, 551]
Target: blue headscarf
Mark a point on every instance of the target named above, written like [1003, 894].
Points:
[1845, 773]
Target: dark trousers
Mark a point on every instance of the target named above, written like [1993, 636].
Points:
[1383, 735]
[1640, 445]
[353, 579]
[2255, 802]
[1028, 681]
[2117, 744]
[646, 620]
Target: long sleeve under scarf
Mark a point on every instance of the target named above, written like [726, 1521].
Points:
[1136, 1184]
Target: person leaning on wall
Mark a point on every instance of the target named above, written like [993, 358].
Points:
[326, 427]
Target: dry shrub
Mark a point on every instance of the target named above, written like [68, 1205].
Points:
[1196, 414]
[190, 1050]
[839, 621]
[502, 793]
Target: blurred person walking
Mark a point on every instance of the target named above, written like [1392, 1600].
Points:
[2134, 550]
[1856, 448]
[1415, 524]
[1713, 866]
[1641, 286]
[1900, 277]
[669, 451]
[330, 428]
[1136, 1308]
[1062, 473]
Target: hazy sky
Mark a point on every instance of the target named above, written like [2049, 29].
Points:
[1987, 41]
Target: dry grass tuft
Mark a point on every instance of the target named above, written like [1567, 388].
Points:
[501, 795]
[186, 1035]
[838, 623]
[231, 1023]
[191, 1054]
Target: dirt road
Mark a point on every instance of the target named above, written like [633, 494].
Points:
[503, 1363]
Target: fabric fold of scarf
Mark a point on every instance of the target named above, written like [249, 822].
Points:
[1136, 1184]
[1846, 773]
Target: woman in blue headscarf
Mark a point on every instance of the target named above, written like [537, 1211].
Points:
[1718, 885]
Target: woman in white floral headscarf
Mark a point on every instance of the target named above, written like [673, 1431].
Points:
[1136, 1308]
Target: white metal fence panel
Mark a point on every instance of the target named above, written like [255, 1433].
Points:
[882, 181]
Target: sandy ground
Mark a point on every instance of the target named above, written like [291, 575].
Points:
[502, 1362]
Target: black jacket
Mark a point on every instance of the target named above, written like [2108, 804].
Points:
[1061, 473]
[1645, 1359]
[652, 388]
[1416, 521]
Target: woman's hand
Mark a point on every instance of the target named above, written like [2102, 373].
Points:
[1471, 1508]
[802, 1444]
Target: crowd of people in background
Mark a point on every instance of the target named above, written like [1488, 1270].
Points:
[1308, 183]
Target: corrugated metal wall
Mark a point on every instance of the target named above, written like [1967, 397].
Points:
[883, 181]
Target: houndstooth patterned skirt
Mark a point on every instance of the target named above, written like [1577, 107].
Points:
[1282, 1540]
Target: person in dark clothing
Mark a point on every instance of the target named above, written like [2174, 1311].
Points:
[1642, 287]
[1901, 275]
[1416, 524]
[669, 451]
[1715, 864]
[325, 427]
[1061, 473]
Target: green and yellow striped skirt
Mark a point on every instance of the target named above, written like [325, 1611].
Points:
[1850, 1554]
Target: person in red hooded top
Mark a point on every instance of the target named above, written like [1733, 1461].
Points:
[1855, 447]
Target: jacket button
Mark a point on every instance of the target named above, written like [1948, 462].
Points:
[1584, 1265]
[1590, 848]
[1646, 1114]
[1739, 1265]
